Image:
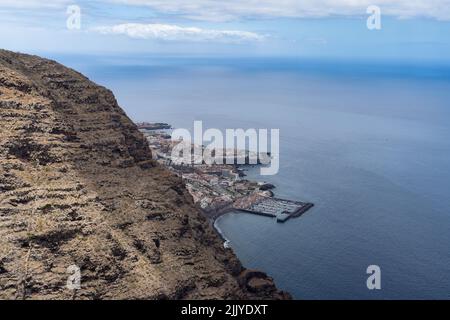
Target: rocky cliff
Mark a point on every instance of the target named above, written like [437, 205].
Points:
[78, 187]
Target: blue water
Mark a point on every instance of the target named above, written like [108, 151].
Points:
[368, 143]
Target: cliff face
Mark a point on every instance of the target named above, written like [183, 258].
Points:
[78, 187]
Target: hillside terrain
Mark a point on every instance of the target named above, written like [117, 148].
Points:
[78, 187]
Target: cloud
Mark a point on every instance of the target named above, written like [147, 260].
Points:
[34, 4]
[176, 33]
[223, 10]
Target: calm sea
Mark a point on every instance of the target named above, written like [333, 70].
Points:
[368, 143]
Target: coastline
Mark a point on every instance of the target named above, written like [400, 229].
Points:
[218, 189]
[219, 231]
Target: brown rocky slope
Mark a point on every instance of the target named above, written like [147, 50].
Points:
[78, 187]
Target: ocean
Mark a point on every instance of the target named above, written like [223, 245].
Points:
[367, 142]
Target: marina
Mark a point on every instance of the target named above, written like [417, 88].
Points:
[280, 209]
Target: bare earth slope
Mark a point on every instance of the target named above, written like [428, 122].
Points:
[78, 187]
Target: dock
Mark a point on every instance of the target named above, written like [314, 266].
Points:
[280, 209]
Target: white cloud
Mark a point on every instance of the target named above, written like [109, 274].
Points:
[222, 10]
[177, 33]
[33, 4]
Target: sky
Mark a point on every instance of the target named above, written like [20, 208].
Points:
[416, 30]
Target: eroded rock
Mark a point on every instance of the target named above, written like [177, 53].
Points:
[78, 186]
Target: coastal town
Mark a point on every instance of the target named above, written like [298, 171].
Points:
[220, 188]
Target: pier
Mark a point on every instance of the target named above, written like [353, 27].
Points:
[280, 209]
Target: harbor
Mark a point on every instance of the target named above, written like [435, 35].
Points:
[280, 209]
[221, 188]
